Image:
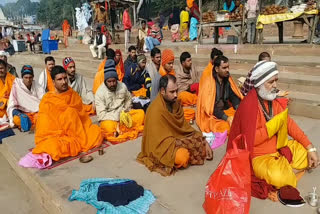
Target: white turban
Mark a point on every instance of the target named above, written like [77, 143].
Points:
[262, 72]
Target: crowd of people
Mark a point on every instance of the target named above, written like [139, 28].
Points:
[134, 98]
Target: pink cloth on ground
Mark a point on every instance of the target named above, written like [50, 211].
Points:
[39, 161]
[216, 139]
[219, 140]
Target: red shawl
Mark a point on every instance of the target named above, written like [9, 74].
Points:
[244, 122]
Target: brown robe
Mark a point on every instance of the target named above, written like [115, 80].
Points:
[162, 136]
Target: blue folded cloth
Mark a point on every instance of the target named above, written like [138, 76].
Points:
[89, 190]
[24, 120]
[6, 133]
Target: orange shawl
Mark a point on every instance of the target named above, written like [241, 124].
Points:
[5, 89]
[50, 85]
[120, 67]
[99, 77]
[163, 72]
[63, 128]
[206, 121]
[161, 146]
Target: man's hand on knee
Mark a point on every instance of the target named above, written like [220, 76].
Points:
[313, 158]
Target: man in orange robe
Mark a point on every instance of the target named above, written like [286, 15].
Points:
[63, 128]
[266, 125]
[167, 60]
[6, 82]
[187, 77]
[99, 77]
[169, 142]
[218, 98]
[45, 80]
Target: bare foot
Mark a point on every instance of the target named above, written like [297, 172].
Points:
[273, 196]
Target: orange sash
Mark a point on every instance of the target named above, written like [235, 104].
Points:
[163, 72]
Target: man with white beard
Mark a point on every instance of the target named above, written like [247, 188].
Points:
[266, 125]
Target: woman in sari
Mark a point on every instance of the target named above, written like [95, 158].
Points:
[184, 25]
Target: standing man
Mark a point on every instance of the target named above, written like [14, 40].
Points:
[99, 44]
[45, 80]
[101, 16]
[11, 68]
[153, 73]
[132, 57]
[252, 7]
[126, 26]
[79, 85]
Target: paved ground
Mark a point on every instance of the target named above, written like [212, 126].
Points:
[15, 196]
[181, 193]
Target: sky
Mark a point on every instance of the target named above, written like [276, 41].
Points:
[3, 2]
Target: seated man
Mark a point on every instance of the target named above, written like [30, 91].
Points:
[24, 100]
[154, 37]
[113, 102]
[135, 77]
[188, 80]
[132, 57]
[79, 85]
[217, 92]
[167, 63]
[169, 142]
[6, 82]
[45, 80]
[142, 34]
[99, 46]
[153, 76]
[214, 54]
[11, 68]
[63, 127]
[273, 156]
[248, 85]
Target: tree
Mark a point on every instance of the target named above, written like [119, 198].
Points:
[53, 12]
[20, 8]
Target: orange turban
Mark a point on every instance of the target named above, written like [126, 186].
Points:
[167, 56]
[190, 3]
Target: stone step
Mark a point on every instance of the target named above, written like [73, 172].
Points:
[194, 47]
[297, 80]
[203, 57]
